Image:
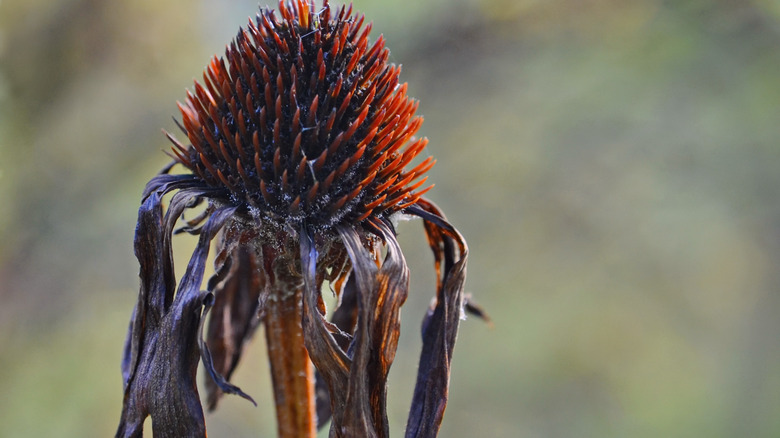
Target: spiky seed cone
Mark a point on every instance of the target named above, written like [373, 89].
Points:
[304, 120]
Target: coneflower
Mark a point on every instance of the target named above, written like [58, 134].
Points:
[299, 153]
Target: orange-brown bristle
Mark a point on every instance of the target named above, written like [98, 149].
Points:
[303, 119]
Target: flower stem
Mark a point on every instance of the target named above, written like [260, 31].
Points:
[291, 370]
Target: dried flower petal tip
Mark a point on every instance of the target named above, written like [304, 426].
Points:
[304, 118]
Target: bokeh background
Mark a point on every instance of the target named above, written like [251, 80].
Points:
[614, 165]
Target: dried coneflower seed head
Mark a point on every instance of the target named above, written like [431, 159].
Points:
[304, 120]
[301, 124]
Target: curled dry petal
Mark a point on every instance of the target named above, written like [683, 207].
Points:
[440, 326]
[162, 358]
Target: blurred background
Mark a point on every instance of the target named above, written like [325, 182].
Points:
[614, 165]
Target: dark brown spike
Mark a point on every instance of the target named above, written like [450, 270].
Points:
[295, 206]
[285, 182]
[241, 124]
[269, 100]
[340, 203]
[277, 162]
[263, 122]
[296, 152]
[264, 192]
[242, 173]
[239, 145]
[331, 120]
[342, 168]
[277, 134]
[313, 193]
[328, 181]
[225, 153]
[320, 161]
[248, 104]
[278, 108]
[259, 166]
[296, 123]
[312, 119]
[208, 165]
[279, 83]
[334, 146]
[301, 171]
[353, 194]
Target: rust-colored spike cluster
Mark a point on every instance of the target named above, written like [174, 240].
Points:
[304, 120]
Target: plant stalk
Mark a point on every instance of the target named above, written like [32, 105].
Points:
[291, 370]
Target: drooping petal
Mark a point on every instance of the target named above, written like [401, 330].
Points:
[237, 288]
[358, 386]
[440, 326]
[345, 318]
[380, 297]
[161, 370]
[208, 362]
[328, 357]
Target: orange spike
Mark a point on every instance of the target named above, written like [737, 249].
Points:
[364, 215]
[378, 201]
[370, 178]
[356, 156]
[381, 188]
[421, 168]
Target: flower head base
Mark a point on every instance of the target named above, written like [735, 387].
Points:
[300, 139]
[303, 120]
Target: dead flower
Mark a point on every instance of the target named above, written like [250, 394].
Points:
[299, 144]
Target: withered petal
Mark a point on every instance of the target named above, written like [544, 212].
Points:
[208, 362]
[440, 326]
[345, 318]
[164, 349]
[331, 361]
[358, 400]
[235, 315]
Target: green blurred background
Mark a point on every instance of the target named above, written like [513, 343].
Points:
[613, 164]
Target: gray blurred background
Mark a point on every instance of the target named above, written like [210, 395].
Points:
[614, 165]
